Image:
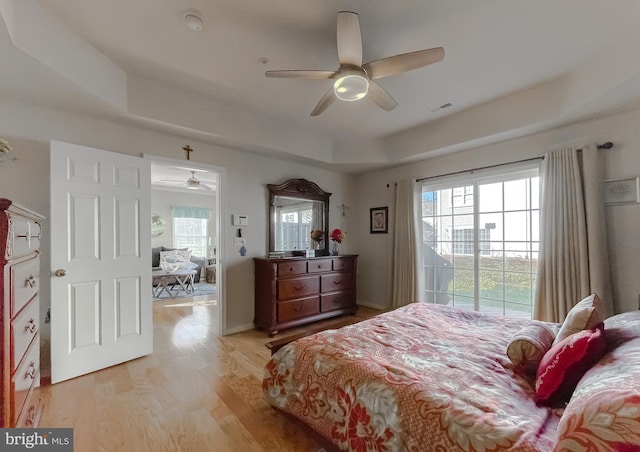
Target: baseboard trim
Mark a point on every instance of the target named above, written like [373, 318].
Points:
[238, 329]
[372, 305]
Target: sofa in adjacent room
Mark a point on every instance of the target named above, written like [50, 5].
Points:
[157, 252]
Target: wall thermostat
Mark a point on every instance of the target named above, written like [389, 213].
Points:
[239, 220]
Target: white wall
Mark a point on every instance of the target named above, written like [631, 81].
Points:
[29, 129]
[375, 264]
[163, 200]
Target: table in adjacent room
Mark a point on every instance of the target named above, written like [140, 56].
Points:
[172, 282]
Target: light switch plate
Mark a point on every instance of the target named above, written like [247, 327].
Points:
[239, 220]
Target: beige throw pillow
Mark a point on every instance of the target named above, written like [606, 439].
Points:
[585, 315]
[527, 347]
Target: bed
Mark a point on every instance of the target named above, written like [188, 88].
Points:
[428, 377]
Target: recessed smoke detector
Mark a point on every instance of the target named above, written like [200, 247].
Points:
[193, 19]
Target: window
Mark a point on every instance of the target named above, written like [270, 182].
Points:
[480, 242]
[463, 241]
[295, 226]
[191, 233]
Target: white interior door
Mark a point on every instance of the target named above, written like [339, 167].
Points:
[100, 259]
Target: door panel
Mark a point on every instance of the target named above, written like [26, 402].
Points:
[127, 238]
[100, 223]
[128, 307]
[84, 232]
[84, 309]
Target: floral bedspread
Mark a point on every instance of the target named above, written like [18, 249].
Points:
[604, 411]
[424, 377]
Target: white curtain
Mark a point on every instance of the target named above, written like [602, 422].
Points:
[599, 275]
[573, 259]
[407, 286]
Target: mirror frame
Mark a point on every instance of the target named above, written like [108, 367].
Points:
[303, 189]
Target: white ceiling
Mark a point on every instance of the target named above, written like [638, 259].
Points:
[495, 51]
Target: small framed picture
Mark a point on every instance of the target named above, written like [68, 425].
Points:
[622, 191]
[378, 220]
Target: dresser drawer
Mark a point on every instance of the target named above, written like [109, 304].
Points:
[23, 379]
[297, 309]
[31, 413]
[24, 237]
[298, 288]
[23, 329]
[292, 268]
[336, 281]
[25, 283]
[19, 236]
[319, 265]
[334, 301]
[342, 264]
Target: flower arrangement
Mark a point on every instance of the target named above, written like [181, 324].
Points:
[337, 235]
[316, 235]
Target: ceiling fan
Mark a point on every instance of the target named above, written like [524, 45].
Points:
[354, 80]
[192, 183]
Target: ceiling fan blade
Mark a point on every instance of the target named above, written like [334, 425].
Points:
[381, 97]
[403, 63]
[349, 39]
[328, 98]
[300, 74]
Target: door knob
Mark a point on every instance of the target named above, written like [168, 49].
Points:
[60, 272]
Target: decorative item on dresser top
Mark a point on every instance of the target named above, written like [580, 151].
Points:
[295, 291]
[20, 231]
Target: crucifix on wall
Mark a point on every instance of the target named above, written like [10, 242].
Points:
[343, 207]
[188, 150]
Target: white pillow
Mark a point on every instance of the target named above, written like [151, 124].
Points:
[188, 265]
[175, 256]
[583, 316]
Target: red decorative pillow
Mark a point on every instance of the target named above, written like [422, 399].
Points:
[562, 367]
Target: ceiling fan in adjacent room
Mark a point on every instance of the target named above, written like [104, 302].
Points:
[354, 80]
[192, 183]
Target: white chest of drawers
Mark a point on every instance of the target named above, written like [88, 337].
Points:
[20, 231]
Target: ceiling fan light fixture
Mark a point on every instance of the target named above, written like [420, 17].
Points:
[351, 87]
[194, 184]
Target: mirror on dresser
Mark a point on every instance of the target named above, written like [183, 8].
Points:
[297, 207]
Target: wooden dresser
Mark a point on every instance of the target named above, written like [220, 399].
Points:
[294, 291]
[20, 231]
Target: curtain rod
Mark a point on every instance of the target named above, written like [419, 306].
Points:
[607, 145]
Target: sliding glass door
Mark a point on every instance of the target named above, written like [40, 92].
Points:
[480, 242]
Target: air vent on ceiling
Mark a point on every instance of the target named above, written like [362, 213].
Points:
[442, 107]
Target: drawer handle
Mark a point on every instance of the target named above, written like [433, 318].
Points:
[299, 308]
[31, 371]
[30, 281]
[299, 287]
[30, 326]
[337, 282]
[31, 416]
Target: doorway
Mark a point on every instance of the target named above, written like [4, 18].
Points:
[186, 210]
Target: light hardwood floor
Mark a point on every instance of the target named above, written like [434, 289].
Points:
[196, 392]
